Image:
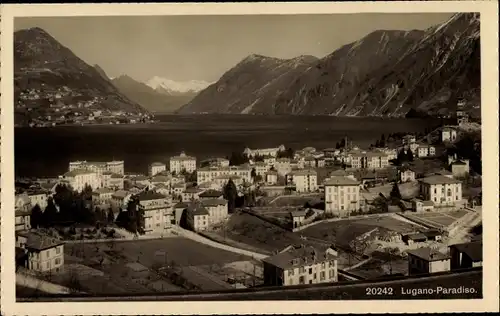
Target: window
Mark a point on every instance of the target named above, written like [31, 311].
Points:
[290, 272]
[323, 265]
[331, 274]
[302, 270]
[58, 261]
[301, 280]
[310, 270]
[322, 275]
[314, 276]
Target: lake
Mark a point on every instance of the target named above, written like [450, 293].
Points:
[45, 152]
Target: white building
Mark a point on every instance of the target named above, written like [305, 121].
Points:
[120, 198]
[261, 168]
[112, 180]
[425, 150]
[273, 152]
[460, 168]
[283, 166]
[441, 190]
[192, 193]
[406, 175]
[156, 167]
[158, 212]
[38, 197]
[409, 139]
[271, 177]
[115, 166]
[427, 260]
[448, 134]
[301, 265]
[217, 209]
[209, 174]
[182, 163]
[216, 162]
[102, 196]
[341, 195]
[369, 160]
[79, 178]
[304, 180]
[44, 253]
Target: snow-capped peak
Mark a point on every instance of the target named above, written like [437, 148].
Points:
[177, 86]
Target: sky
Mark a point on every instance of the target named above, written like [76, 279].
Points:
[186, 48]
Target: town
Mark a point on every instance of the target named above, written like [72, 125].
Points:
[408, 205]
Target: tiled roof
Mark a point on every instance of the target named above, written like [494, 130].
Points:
[299, 256]
[197, 209]
[334, 181]
[102, 191]
[298, 213]
[181, 205]
[213, 202]
[39, 242]
[121, 194]
[428, 254]
[157, 164]
[304, 172]
[77, 172]
[473, 250]
[193, 190]
[150, 195]
[160, 179]
[211, 193]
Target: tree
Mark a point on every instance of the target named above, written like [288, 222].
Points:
[395, 193]
[111, 216]
[36, 217]
[49, 216]
[253, 174]
[409, 155]
[230, 194]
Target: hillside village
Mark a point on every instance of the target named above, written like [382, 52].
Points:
[408, 205]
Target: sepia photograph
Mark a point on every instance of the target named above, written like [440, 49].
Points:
[335, 156]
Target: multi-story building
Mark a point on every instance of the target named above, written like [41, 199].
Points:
[460, 168]
[115, 166]
[102, 196]
[22, 219]
[44, 253]
[448, 134]
[301, 265]
[409, 139]
[441, 190]
[369, 160]
[38, 197]
[221, 181]
[425, 150]
[112, 180]
[341, 195]
[217, 210]
[158, 212]
[273, 152]
[215, 162]
[120, 198]
[155, 168]
[271, 177]
[192, 193]
[406, 175]
[261, 168]
[305, 180]
[199, 216]
[211, 194]
[283, 166]
[182, 163]
[427, 260]
[209, 174]
[466, 255]
[79, 178]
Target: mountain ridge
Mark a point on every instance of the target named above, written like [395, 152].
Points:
[385, 73]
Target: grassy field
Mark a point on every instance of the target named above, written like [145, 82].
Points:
[440, 219]
[117, 263]
[343, 232]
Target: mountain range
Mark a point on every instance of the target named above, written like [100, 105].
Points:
[386, 73]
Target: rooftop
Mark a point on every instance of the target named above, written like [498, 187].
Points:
[335, 181]
[473, 250]
[304, 172]
[211, 194]
[157, 164]
[77, 172]
[181, 205]
[103, 191]
[439, 179]
[150, 195]
[193, 190]
[121, 194]
[160, 179]
[428, 254]
[182, 156]
[299, 256]
[197, 209]
[298, 213]
[39, 242]
[213, 202]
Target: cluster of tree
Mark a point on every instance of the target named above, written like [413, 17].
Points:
[395, 193]
[237, 159]
[189, 176]
[404, 156]
[341, 144]
[66, 208]
[256, 177]
[132, 218]
[469, 147]
[413, 113]
[287, 153]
